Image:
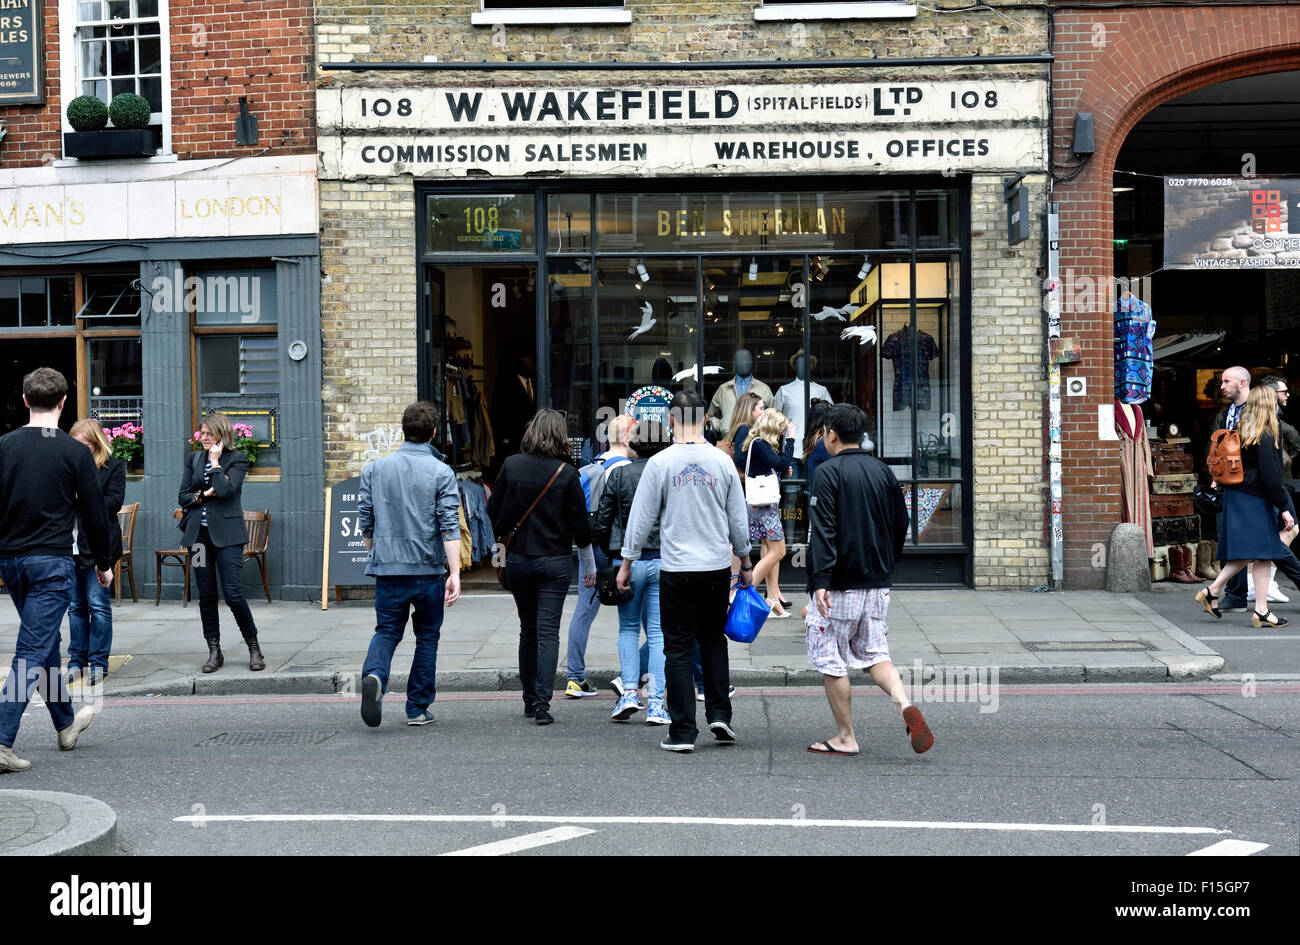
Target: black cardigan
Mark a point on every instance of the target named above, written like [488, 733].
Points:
[1262, 464]
[112, 481]
[560, 519]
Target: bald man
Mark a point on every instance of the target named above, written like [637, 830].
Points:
[1235, 386]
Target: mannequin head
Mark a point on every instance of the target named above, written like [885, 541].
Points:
[800, 364]
[743, 363]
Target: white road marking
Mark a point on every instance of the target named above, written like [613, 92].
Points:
[684, 821]
[526, 842]
[1231, 848]
[1256, 636]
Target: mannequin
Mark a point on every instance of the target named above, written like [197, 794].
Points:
[725, 397]
[789, 398]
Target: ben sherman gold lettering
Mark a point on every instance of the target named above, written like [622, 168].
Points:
[764, 222]
[258, 205]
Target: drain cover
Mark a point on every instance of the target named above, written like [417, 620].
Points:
[232, 739]
[1094, 645]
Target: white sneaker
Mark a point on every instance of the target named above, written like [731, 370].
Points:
[11, 762]
[1275, 594]
[80, 722]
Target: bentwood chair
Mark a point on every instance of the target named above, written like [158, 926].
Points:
[173, 558]
[259, 535]
[126, 517]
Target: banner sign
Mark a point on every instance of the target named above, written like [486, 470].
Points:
[21, 47]
[940, 125]
[1232, 222]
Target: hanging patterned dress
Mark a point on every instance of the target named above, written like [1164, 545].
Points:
[1134, 359]
[1135, 467]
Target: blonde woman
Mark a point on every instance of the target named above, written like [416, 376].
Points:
[767, 448]
[214, 523]
[90, 617]
[748, 409]
[1249, 532]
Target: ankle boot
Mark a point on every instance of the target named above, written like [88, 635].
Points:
[215, 659]
[255, 661]
[1205, 566]
[1214, 557]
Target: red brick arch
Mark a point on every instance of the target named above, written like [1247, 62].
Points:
[1146, 57]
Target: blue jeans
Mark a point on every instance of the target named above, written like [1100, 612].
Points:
[395, 597]
[90, 622]
[41, 588]
[644, 606]
[580, 626]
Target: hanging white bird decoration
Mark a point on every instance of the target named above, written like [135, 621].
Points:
[690, 371]
[647, 321]
[866, 334]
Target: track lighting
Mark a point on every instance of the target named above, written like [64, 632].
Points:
[642, 272]
[866, 267]
[753, 270]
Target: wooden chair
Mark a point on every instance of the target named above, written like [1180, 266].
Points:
[173, 558]
[259, 535]
[126, 517]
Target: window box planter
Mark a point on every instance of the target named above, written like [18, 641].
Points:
[111, 143]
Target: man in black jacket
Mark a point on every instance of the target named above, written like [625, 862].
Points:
[47, 480]
[859, 523]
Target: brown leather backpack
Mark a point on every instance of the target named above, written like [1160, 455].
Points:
[1225, 458]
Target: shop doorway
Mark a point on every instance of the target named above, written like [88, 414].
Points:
[18, 358]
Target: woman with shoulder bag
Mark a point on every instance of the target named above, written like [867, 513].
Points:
[765, 454]
[539, 513]
[90, 617]
[213, 528]
[642, 607]
[1249, 531]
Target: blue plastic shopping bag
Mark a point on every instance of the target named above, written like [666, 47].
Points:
[745, 619]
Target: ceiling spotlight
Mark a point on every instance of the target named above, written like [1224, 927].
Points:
[639, 286]
[518, 294]
[753, 270]
[631, 266]
[642, 272]
[866, 267]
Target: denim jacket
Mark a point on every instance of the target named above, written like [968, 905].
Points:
[409, 507]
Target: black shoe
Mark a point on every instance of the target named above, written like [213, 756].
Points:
[543, 716]
[372, 694]
[723, 732]
[215, 659]
[530, 711]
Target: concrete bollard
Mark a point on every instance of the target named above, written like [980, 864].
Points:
[1128, 569]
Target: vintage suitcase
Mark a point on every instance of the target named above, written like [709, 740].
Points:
[1173, 484]
[1160, 563]
[1175, 530]
[1163, 506]
[1172, 463]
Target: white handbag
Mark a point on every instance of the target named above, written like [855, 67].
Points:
[760, 490]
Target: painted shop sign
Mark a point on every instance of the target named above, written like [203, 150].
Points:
[160, 209]
[21, 80]
[935, 125]
[1232, 223]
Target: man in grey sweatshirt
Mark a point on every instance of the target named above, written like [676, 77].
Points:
[693, 491]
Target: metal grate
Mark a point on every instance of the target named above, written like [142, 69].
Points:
[242, 739]
[1097, 645]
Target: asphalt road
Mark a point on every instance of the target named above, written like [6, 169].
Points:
[1088, 759]
[1246, 649]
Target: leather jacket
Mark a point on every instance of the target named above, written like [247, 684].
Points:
[609, 521]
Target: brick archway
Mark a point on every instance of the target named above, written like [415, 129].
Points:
[1120, 64]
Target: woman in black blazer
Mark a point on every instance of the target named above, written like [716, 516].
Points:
[90, 616]
[213, 527]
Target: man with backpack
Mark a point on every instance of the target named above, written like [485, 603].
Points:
[1235, 385]
[593, 477]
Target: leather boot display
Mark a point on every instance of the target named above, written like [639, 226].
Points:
[1214, 565]
[1206, 566]
[215, 659]
[1180, 565]
[255, 661]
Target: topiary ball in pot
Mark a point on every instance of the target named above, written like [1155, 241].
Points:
[129, 110]
[87, 113]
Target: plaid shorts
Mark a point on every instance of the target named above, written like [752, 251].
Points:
[853, 637]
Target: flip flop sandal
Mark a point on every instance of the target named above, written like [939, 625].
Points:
[826, 748]
[917, 730]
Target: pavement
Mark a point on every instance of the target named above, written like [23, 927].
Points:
[1065, 636]
[939, 635]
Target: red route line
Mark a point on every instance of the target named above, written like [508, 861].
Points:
[1083, 689]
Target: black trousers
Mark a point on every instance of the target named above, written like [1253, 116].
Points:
[538, 585]
[226, 564]
[693, 609]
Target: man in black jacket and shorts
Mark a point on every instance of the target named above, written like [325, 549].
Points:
[859, 523]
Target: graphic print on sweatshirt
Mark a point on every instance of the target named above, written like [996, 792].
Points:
[693, 474]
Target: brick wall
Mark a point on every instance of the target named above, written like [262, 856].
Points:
[220, 50]
[1119, 64]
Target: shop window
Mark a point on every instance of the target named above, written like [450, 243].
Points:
[112, 300]
[113, 376]
[550, 11]
[237, 352]
[569, 305]
[118, 47]
[477, 223]
[833, 10]
[37, 302]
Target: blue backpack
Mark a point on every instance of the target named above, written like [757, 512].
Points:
[593, 476]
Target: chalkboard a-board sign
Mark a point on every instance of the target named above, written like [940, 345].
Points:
[21, 53]
[345, 551]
